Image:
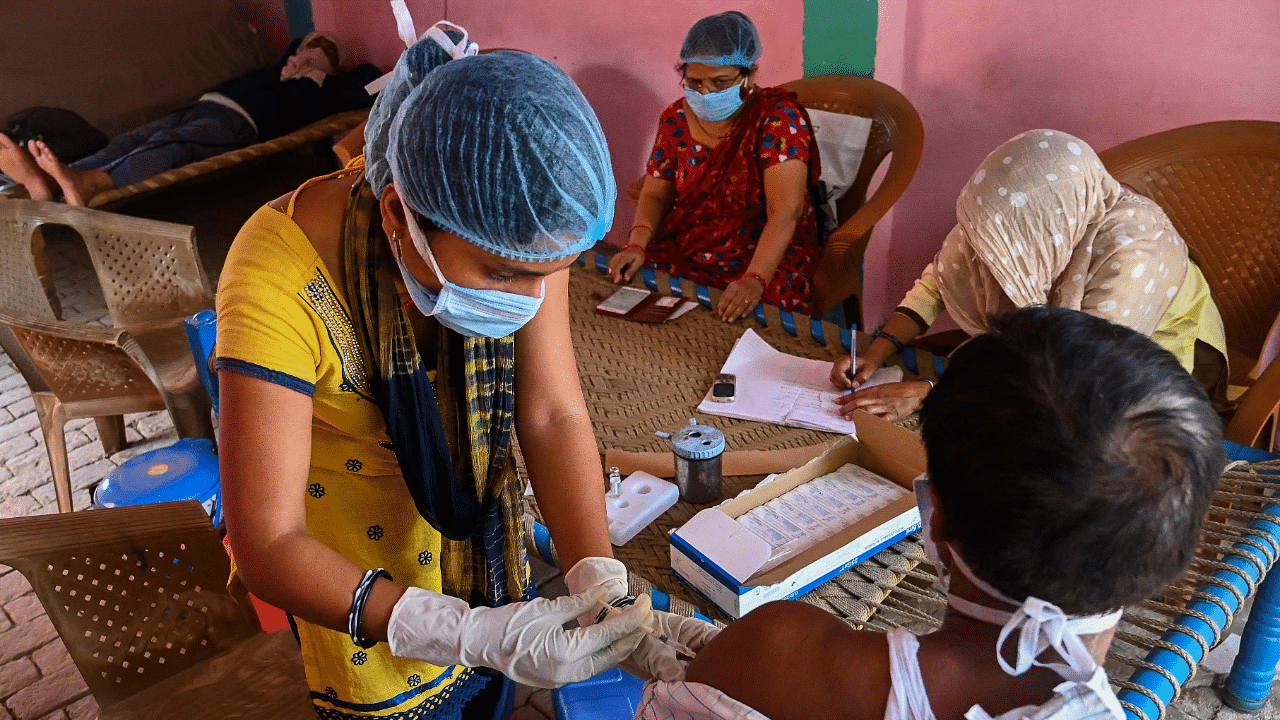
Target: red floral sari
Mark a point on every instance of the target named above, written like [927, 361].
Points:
[710, 234]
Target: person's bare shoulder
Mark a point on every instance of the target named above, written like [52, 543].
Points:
[793, 661]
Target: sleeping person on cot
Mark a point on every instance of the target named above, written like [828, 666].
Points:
[1071, 462]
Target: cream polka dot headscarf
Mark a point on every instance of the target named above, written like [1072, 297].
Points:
[1041, 222]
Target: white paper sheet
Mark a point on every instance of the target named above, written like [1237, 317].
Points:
[784, 389]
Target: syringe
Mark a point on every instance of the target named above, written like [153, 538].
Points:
[682, 652]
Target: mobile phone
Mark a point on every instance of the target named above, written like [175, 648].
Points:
[723, 388]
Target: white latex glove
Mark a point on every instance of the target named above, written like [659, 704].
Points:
[524, 640]
[590, 572]
[653, 660]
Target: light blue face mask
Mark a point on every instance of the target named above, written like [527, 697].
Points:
[472, 312]
[716, 106]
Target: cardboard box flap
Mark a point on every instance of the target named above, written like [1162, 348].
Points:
[889, 450]
[725, 543]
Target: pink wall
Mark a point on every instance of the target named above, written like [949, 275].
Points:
[620, 53]
[269, 19]
[1105, 70]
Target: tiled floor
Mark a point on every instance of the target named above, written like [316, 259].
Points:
[37, 679]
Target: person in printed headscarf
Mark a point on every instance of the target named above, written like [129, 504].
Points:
[1041, 222]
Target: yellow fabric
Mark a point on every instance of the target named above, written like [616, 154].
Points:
[281, 317]
[1191, 316]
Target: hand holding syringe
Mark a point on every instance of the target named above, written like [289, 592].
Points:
[682, 652]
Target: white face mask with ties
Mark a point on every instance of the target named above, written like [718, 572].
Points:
[1040, 624]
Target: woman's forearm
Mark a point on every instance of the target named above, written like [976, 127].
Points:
[772, 245]
[564, 469]
[656, 199]
[306, 578]
[901, 327]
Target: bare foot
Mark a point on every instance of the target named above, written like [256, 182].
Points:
[18, 164]
[78, 186]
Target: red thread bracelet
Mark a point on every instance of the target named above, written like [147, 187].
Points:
[637, 246]
[764, 284]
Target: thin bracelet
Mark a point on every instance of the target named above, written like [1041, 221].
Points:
[356, 618]
[637, 246]
[898, 345]
[764, 284]
[643, 225]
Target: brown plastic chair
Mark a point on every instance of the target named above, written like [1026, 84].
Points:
[1254, 421]
[895, 128]
[139, 596]
[90, 371]
[151, 278]
[1219, 182]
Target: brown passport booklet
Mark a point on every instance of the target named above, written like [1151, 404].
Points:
[641, 305]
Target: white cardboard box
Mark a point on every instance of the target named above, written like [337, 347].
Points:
[718, 557]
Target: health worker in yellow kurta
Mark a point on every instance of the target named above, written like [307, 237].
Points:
[382, 333]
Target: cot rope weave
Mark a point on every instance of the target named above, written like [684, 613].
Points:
[319, 130]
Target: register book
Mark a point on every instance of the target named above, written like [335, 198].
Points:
[775, 387]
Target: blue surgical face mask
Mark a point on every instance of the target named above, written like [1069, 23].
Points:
[716, 106]
[472, 312]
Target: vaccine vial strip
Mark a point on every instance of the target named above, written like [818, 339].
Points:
[814, 511]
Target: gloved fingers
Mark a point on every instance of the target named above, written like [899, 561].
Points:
[591, 571]
[654, 661]
[689, 631]
[610, 655]
[571, 607]
[618, 625]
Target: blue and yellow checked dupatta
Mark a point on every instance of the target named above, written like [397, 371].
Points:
[455, 454]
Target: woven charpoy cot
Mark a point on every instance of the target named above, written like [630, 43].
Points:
[327, 128]
[640, 378]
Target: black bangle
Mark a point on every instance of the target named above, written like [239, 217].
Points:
[356, 618]
[898, 345]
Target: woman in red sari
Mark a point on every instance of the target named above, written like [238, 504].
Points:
[726, 199]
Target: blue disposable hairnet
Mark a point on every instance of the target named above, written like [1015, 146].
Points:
[421, 58]
[503, 150]
[729, 38]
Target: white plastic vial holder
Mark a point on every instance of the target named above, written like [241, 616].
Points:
[699, 450]
[633, 503]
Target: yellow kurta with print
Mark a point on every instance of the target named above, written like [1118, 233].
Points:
[282, 318]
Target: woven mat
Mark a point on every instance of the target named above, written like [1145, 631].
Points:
[639, 378]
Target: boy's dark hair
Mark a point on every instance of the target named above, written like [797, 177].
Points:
[1073, 458]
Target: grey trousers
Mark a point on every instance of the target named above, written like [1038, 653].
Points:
[194, 132]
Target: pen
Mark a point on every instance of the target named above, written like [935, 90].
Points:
[853, 351]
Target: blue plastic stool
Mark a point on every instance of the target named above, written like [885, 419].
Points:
[611, 695]
[185, 470]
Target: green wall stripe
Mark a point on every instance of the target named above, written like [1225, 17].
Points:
[298, 13]
[840, 37]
